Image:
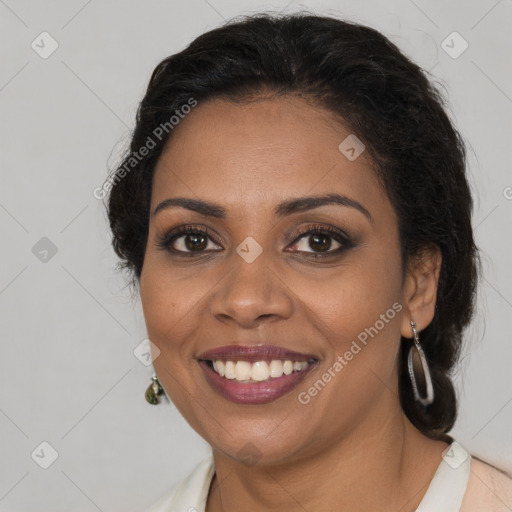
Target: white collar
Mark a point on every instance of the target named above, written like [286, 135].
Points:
[447, 488]
[445, 492]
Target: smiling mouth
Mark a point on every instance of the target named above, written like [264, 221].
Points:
[254, 374]
[257, 371]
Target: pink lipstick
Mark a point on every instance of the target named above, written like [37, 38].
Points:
[254, 374]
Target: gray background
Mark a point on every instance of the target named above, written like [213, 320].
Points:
[68, 372]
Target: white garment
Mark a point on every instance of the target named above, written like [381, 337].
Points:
[444, 494]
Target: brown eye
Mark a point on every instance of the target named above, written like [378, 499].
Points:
[191, 242]
[195, 242]
[320, 243]
[187, 240]
[317, 243]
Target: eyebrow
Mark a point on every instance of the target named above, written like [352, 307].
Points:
[299, 204]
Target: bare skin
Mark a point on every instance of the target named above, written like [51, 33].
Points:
[350, 448]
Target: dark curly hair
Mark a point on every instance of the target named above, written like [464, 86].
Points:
[381, 96]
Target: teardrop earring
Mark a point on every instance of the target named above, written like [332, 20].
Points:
[154, 390]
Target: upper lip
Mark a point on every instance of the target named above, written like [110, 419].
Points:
[253, 353]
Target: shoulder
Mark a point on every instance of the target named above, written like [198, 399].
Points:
[488, 489]
[191, 493]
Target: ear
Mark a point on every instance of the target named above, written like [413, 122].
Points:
[420, 289]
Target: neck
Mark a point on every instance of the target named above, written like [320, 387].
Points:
[385, 464]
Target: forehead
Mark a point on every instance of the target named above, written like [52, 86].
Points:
[256, 153]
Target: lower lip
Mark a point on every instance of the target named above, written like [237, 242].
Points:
[256, 392]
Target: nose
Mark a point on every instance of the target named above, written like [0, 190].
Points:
[250, 294]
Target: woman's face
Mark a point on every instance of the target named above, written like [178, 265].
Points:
[258, 290]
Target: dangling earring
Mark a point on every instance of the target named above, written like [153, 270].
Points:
[153, 391]
[424, 380]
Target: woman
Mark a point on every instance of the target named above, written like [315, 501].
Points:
[295, 211]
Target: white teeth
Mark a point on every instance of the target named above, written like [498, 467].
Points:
[242, 370]
[258, 371]
[230, 372]
[276, 368]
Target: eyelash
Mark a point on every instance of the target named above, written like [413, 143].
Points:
[165, 241]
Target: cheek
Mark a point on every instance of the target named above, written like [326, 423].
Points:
[167, 303]
[168, 315]
[358, 313]
[354, 296]
[165, 310]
